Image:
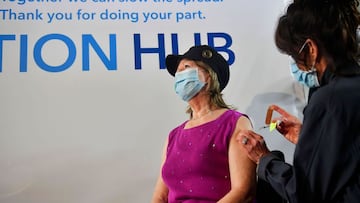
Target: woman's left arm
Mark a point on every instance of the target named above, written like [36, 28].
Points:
[242, 169]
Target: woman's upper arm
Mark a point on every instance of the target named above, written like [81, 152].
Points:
[242, 169]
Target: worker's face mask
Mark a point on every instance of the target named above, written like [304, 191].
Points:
[187, 83]
[307, 78]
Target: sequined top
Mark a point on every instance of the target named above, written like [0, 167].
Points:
[196, 169]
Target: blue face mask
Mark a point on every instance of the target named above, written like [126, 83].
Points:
[308, 78]
[187, 83]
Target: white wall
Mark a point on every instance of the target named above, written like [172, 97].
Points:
[95, 136]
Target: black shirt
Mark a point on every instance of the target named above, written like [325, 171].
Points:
[327, 155]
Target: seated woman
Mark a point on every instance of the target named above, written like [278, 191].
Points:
[202, 163]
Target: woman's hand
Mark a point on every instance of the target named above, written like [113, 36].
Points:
[289, 125]
[253, 143]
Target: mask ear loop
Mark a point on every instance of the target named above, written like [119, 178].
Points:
[303, 47]
[313, 69]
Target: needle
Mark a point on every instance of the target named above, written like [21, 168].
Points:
[263, 127]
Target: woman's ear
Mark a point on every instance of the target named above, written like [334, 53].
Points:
[313, 51]
[315, 59]
[207, 84]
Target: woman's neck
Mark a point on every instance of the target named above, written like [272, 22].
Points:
[200, 109]
[196, 115]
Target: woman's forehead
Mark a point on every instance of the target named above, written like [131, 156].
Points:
[187, 61]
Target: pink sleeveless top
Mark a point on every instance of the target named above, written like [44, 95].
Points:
[196, 169]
